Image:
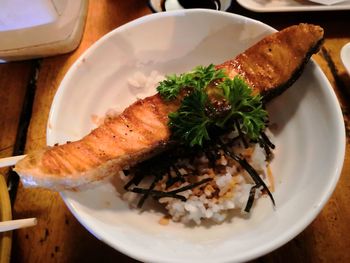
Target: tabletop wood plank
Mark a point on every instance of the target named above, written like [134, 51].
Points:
[59, 237]
[336, 73]
[13, 86]
[14, 79]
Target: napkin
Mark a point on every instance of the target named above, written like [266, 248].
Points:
[327, 2]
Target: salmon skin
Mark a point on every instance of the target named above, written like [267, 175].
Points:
[141, 131]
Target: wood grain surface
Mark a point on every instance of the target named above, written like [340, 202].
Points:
[13, 84]
[59, 237]
[5, 215]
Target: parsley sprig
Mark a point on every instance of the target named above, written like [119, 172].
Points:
[198, 113]
[190, 123]
[245, 107]
[196, 79]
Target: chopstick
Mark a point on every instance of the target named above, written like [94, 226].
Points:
[16, 224]
[9, 161]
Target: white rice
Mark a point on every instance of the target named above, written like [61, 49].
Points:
[234, 188]
[214, 200]
[143, 85]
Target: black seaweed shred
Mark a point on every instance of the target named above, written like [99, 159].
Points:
[253, 174]
[265, 143]
[267, 140]
[190, 186]
[212, 154]
[174, 193]
[135, 180]
[147, 193]
[162, 165]
[157, 194]
[172, 180]
[251, 198]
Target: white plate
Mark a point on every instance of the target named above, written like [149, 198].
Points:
[345, 57]
[310, 142]
[290, 6]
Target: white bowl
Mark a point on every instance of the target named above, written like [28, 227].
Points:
[310, 140]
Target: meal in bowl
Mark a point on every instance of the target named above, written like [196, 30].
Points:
[216, 118]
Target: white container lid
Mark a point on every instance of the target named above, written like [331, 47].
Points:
[41, 28]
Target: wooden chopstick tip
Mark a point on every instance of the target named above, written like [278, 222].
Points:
[17, 224]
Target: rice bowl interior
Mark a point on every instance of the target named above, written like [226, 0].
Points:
[307, 117]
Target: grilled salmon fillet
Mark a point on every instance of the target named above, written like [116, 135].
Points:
[270, 66]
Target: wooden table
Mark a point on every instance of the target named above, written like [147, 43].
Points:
[26, 92]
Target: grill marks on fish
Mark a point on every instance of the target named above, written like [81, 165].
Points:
[275, 62]
[134, 135]
[270, 66]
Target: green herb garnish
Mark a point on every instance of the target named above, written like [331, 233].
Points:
[212, 101]
[190, 123]
[245, 107]
[196, 79]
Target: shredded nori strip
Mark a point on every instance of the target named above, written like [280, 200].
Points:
[173, 193]
[212, 155]
[146, 194]
[135, 180]
[172, 180]
[266, 148]
[157, 194]
[267, 140]
[251, 171]
[265, 143]
[251, 198]
[190, 186]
